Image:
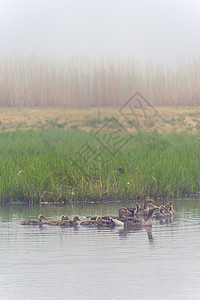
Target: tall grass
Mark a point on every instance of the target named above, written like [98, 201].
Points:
[34, 81]
[47, 166]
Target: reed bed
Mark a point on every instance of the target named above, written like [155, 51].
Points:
[33, 81]
[48, 165]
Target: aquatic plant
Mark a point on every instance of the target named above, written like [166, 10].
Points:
[48, 165]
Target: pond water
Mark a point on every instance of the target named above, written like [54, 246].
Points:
[50, 262]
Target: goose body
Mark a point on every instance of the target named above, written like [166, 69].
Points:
[93, 222]
[105, 222]
[98, 222]
[102, 217]
[34, 222]
[117, 222]
[56, 221]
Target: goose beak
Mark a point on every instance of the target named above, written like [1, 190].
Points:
[128, 211]
[152, 200]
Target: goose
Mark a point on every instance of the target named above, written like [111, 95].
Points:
[162, 214]
[34, 222]
[135, 209]
[143, 213]
[169, 207]
[124, 213]
[70, 223]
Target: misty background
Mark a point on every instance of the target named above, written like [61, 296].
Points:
[91, 52]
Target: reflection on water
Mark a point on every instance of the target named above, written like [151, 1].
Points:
[49, 262]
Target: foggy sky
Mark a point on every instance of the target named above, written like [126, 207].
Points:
[144, 30]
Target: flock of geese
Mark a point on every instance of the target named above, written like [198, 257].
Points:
[129, 218]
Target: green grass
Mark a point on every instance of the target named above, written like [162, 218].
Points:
[48, 165]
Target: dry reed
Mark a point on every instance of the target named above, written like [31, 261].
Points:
[33, 81]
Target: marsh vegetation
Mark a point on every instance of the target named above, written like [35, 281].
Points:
[49, 165]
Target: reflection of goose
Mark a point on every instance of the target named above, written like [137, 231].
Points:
[125, 231]
[34, 222]
[149, 233]
[57, 221]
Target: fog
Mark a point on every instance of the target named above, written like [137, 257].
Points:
[138, 29]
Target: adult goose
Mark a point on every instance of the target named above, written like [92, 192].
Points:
[135, 209]
[143, 213]
[124, 212]
[125, 215]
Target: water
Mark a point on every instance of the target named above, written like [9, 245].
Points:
[87, 263]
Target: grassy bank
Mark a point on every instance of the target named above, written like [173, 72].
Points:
[58, 165]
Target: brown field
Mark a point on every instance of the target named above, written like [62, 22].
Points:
[162, 119]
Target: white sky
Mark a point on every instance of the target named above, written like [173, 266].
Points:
[156, 30]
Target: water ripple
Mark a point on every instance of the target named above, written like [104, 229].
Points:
[83, 263]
